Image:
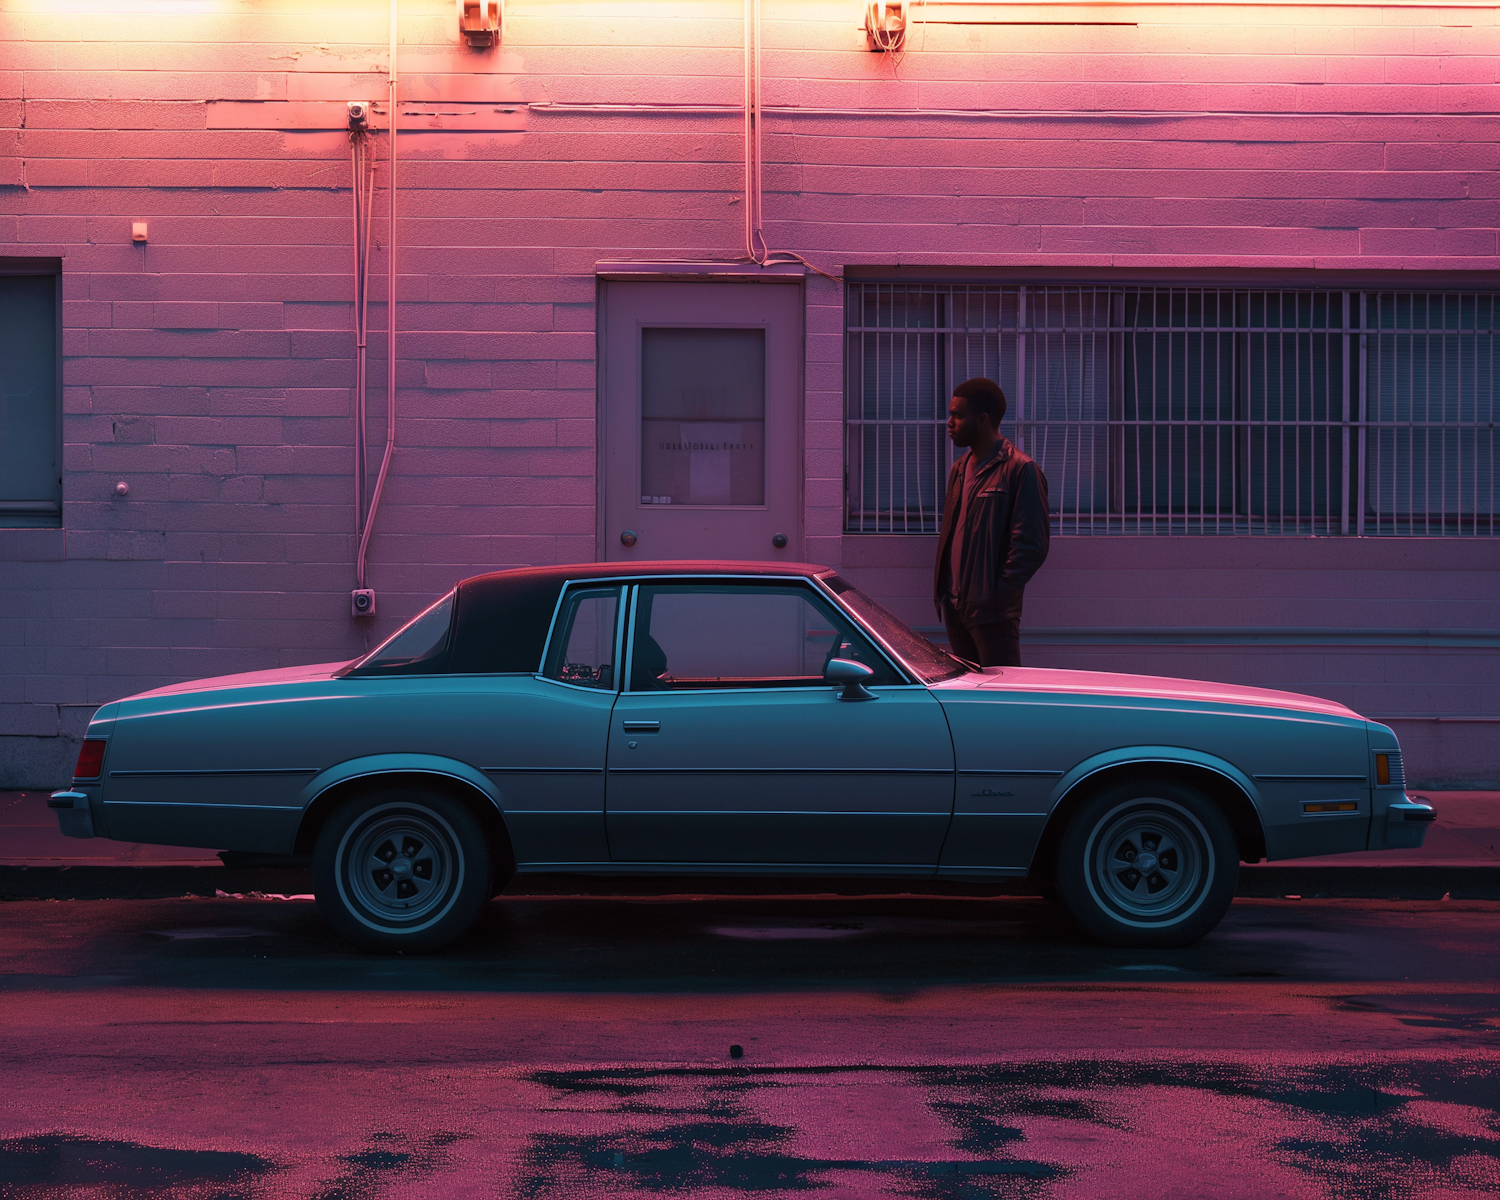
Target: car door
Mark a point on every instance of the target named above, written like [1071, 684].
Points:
[727, 745]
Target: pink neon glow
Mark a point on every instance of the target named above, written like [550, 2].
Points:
[247, 679]
[1109, 683]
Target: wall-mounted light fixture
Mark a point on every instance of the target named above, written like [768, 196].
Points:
[885, 24]
[479, 21]
[138, 232]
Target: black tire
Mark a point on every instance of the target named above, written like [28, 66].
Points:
[1192, 864]
[401, 869]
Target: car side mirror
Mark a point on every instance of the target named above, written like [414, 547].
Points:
[852, 675]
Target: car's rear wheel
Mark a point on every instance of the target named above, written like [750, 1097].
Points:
[1149, 863]
[401, 869]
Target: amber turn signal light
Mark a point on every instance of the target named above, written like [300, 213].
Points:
[1383, 770]
[1331, 806]
[90, 759]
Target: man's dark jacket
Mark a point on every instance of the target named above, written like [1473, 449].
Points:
[1006, 534]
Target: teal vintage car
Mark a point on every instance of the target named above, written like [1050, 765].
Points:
[730, 719]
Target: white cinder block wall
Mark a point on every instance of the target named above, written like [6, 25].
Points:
[211, 368]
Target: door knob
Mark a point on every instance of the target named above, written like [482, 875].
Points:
[779, 541]
[628, 538]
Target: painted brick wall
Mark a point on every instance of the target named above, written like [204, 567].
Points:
[210, 369]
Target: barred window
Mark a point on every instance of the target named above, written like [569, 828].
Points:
[1185, 409]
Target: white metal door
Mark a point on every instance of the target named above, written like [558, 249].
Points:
[701, 413]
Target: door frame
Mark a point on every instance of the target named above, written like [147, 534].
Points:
[779, 275]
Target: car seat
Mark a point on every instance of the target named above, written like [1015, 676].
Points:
[649, 666]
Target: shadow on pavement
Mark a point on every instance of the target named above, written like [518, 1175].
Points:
[721, 944]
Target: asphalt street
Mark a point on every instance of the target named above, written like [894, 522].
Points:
[584, 1046]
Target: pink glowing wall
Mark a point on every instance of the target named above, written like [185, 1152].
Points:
[211, 368]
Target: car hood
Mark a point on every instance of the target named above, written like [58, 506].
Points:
[247, 679]
[1142, 687]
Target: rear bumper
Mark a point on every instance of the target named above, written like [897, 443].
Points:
[73, 816]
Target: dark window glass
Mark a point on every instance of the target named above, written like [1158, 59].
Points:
[502, 622]
[696, 636]
[928, 662]
[583, 642]
[30, 475]
[418, 648]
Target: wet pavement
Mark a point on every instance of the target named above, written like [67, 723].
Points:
[903, 1047]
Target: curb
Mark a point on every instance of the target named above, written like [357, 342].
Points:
[1256, 882]
[147, 883]
[1372, 883]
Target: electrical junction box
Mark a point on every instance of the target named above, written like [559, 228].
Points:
[362, 602]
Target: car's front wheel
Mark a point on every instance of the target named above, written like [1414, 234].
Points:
[1150, 863]
[401, 869]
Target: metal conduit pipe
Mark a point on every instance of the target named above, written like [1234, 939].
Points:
[755, 242]
[992, 114]
[920, 12]
[359, 339]
[361, 153]
[390, 309]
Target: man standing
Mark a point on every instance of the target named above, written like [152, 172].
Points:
[995, 531]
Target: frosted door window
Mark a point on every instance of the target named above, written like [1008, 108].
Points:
[703, 416]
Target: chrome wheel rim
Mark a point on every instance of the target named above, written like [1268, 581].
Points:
[400, 868]
[1149, 862]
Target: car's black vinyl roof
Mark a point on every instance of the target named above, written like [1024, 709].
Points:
[522, 576]
[502, 618]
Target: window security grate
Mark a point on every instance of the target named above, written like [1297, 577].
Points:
[1159, 410]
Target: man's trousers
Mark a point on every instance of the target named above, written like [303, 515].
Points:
[993, 644]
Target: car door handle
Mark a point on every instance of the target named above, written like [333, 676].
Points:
[642, 726]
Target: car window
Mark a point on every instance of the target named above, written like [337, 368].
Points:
[417, 647]
[582, 650]
[695, 636]
[502, 621]
[929, 663]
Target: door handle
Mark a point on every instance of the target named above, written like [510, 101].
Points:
[642, 726]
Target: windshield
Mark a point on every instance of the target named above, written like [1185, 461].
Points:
[928, 662]
[416, 646]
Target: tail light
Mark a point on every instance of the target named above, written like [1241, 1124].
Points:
[90, 759]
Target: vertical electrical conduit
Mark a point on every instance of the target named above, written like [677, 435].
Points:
[756, 249]
[390, 308]
[361, 153]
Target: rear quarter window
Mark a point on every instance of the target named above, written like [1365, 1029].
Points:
[502, 622]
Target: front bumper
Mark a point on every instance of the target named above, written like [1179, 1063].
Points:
[1406, 823]
[73, 816]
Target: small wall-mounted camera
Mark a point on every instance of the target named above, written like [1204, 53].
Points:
[362, 602]
[359, 114]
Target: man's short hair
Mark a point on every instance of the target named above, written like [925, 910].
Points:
[983, 395]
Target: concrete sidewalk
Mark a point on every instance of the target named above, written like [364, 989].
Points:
[1462, 850]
